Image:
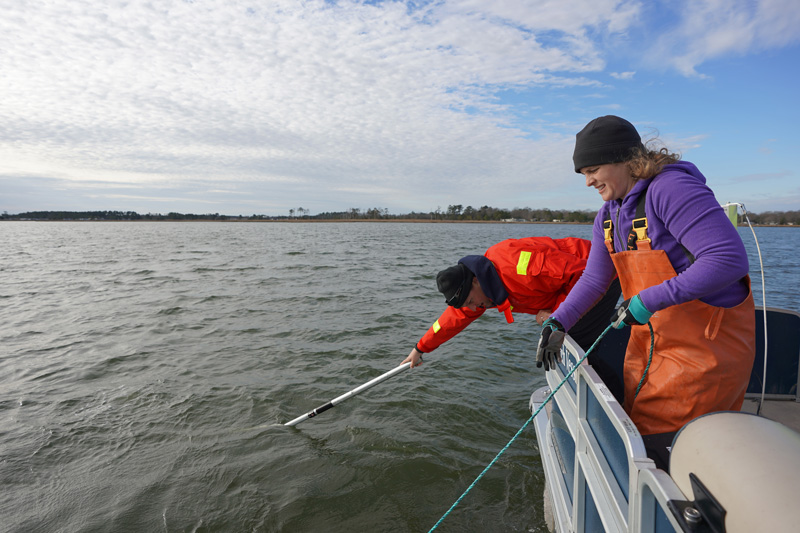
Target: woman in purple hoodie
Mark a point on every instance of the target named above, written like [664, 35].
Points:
[683, 269]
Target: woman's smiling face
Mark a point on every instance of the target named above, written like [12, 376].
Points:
[613, 181]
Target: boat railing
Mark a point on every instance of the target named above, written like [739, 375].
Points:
[650, 508]
[605, 462]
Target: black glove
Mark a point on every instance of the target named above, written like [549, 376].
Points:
[632, 312]
[549, 349]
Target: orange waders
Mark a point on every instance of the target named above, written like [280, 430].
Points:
[702, 357]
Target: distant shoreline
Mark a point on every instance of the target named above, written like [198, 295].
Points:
[354, 221]
[311, 221]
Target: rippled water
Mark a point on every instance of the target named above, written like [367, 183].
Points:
[147, 369]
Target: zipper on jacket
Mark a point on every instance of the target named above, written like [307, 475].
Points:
[616, 229]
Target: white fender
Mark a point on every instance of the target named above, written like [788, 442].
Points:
[750, 464]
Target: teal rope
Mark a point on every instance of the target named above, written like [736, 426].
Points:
[649, 360]
[549, 396]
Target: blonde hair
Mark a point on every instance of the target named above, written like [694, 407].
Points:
[646, 163]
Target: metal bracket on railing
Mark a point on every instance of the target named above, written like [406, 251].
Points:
[704, 514]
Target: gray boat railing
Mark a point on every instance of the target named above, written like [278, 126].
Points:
[599, 474]
[650, 511]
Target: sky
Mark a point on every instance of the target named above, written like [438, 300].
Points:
[258, 107]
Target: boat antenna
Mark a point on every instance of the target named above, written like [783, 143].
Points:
[763, 298]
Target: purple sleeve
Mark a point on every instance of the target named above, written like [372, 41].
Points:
[592, 284]
[688, 214]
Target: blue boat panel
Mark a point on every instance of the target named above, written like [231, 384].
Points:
[567, 363]
[653, 511]
[663, 524]
[783, 336]
[591, 517]
[610, 442]
[565, 448]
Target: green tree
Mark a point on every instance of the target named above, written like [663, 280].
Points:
[454, 211]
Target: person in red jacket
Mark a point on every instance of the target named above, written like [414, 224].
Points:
[532, 275]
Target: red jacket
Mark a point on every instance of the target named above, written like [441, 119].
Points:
[537, 273]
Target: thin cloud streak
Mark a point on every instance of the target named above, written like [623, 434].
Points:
[710, 29]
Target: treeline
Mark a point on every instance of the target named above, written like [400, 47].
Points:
[109, 215]
[772, 218]
[453, 212]
[459, 212]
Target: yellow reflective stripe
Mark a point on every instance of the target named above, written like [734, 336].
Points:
[436, 327]
[522, 264]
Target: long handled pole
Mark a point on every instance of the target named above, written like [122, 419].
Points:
[347, 396]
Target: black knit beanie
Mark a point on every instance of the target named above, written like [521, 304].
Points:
[608, 139]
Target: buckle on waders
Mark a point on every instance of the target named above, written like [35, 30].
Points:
[607, 230]
[640, 227]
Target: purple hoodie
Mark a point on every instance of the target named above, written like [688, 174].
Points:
[681, 210]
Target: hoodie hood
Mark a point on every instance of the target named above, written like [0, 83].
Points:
[684, 167]
[487, 277]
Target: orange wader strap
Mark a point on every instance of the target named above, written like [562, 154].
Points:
[506, 308]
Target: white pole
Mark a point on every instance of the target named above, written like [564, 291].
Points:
[347, 396]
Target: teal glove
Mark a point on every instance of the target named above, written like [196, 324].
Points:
[632, 312]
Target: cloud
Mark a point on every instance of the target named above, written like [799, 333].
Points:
[763, 177]
[762, 200]
[316, 103]
[283, 93]
[710, 29]
[623, 75]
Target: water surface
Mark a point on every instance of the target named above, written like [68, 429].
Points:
[147, 369]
